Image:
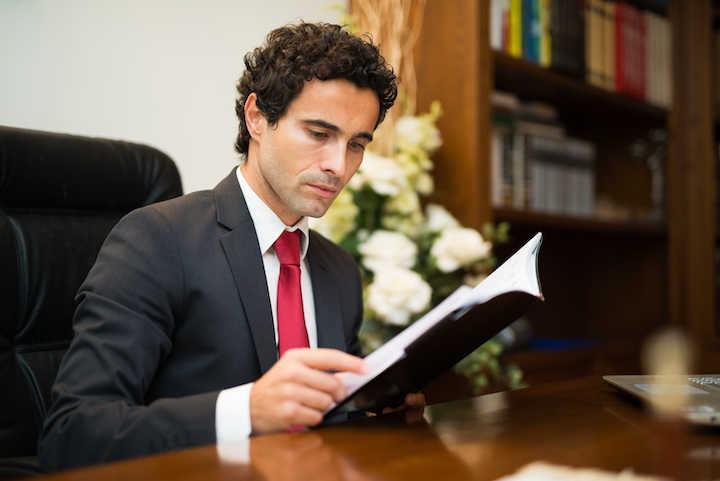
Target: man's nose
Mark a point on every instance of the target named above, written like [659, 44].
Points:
[335, 161]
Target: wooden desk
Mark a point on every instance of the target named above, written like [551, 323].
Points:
[581, 422]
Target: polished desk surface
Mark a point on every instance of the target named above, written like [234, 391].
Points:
[580, 422]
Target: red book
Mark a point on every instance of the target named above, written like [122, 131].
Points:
[643, 51]
[623, 55]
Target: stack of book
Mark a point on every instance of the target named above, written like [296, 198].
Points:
[611, 44]
[628, 51]
[546, 32]
[535, 166]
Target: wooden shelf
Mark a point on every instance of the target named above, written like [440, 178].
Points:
[602, 280]
[653, 5]
[546, 365]
[634, 228]
[574, 98]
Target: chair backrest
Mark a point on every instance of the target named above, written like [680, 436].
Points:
[60, 195]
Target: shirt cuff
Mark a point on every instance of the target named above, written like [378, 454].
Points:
[232, 414]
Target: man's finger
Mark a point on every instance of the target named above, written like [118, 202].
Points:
[326, 359]
[320, 381]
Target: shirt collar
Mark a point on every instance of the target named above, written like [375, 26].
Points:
[268, 225]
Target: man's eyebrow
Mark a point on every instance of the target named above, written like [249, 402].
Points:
[336, 129]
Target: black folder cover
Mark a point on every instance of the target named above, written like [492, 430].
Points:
[438, 349]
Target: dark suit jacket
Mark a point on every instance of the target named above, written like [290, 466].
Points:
[175, 309]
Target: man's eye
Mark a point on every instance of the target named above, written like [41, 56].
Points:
[317, 135]
[356, 146]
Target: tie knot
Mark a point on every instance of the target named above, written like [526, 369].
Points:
[287, 247]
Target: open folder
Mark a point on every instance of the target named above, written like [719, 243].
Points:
[433, 344]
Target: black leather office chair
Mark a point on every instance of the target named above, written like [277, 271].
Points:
[59, 197]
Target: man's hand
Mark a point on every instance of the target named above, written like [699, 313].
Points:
[299, 387]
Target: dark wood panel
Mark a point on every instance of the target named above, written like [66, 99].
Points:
[691, 193]
[597, 285]
[452, 66]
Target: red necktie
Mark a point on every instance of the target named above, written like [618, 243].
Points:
[290, 317]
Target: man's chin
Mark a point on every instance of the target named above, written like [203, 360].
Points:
[316, 210]
[317, 214]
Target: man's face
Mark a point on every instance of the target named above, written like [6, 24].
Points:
[301, 164]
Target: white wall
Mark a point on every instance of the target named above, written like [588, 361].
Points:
[160, 72]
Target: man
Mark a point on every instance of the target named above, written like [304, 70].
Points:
[177, 333]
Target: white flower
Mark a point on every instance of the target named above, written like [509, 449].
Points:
[413, 162]
[408, 130]
[424, 183]
[408, 224]
[417, 131]
[384, 248]
[439, 218]
[396, 294]
[406, 201]
[383, 174]
[403, 213]
[459, 246]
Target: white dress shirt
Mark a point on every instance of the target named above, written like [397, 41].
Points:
[232, 409]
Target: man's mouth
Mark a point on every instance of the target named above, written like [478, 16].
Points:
[324, 190]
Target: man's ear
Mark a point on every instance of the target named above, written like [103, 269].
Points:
[254, 119]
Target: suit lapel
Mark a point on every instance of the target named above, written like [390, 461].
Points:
[243, 254]
[327, 300]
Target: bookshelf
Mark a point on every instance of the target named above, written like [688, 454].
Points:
[610, 280]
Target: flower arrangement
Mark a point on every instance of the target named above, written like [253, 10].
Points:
[412, 257]
[412, 254]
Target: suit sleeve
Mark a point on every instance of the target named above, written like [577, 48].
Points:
[123, 331]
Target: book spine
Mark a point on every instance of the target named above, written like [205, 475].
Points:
[518, 170]
[609, 43]
[545, 37]
[560, 175]
[506, 167]
[641, 29]
[651, 58]
[556, 39]
[501, 161]
[667, 63]
[515, 28]
[496, 25]
[527, 30]
[578, 38]
[589, 28]
[506, 26]
[621, 26]
[502, 176]
[597, 18]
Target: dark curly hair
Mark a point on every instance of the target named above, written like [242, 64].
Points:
[295, 54]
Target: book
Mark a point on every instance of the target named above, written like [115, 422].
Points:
[567, 37]
[594, 14]
[545, 37]
[608, 53]
[433, 344]
[497, 24]
[523, 131]
[515, 29]
[501, 168]
[531, 30]
[562, 177]
[630, 46]
[623, 45]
